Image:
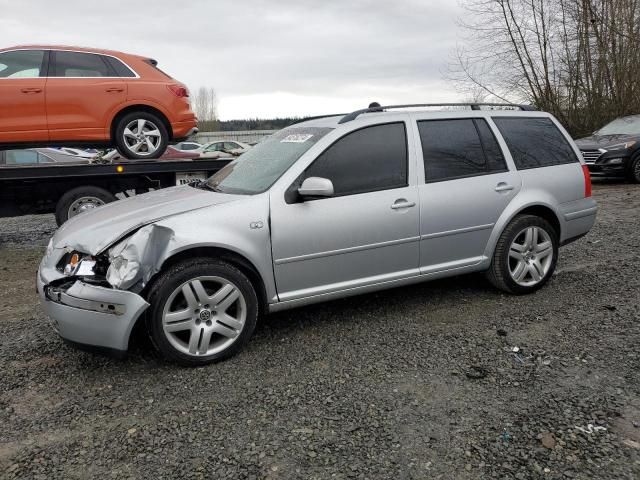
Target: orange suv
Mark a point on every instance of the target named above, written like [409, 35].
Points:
[87, 97]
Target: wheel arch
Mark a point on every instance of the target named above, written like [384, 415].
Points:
[541, 210]
[544, 212]
[139, 107]
[234, 258]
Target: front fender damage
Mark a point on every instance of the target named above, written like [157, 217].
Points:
[138, 257]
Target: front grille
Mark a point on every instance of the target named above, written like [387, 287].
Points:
[591, 156]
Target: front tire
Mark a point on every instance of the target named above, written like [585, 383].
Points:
[141, 136]
[525, 256]
[634, 171]
[202, 311]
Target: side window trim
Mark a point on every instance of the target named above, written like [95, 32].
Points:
[44, 67]
[476, 121]
[302, 176]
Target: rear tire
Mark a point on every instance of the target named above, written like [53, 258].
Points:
[79, 200]
[202, 311]
[525, 256]
[141, 136]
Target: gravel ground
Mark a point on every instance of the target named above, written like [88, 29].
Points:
[413, 383]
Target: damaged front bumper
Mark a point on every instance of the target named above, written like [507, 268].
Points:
[90, 315]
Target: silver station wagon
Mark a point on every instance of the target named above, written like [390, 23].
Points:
[331, 207]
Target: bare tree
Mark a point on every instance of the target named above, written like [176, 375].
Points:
[574, 58]
[205, 104]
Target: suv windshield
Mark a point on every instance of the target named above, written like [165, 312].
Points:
[622, 126]
[259, 168]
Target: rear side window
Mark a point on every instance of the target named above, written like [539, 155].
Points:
[77, 64]
[120, 68]
[459, 148]
[21, 63]
[535, 142]
[367, 160]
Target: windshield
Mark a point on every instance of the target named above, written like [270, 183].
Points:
[622, 126]
[259, 168]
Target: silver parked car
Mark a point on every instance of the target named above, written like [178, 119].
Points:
[324, 209]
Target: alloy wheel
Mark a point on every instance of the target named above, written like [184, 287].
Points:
[142, 137]
[204, 316]
[530, 256]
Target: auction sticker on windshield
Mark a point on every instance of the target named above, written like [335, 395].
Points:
[296, 138]
[188, 177]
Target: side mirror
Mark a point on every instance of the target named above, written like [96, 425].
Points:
[316, 187]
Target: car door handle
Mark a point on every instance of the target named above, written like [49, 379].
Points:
[402, 203]
[31, 90]
[114, 90]
[504, 187]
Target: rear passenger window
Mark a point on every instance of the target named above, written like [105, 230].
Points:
[535, 142]
[77, 64]
[367, 160]
[459, 148]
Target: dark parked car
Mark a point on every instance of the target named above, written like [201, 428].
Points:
[614, 150]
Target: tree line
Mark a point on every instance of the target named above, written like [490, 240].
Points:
[577, 59]
[204, 102]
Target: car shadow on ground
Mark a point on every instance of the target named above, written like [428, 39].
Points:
[441, 293]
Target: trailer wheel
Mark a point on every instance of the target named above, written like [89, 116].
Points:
[80, 200]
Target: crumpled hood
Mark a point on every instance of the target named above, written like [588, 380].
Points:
[594, 142]
[93, 231]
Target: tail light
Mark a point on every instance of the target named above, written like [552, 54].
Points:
[587, 181]
[178, 90]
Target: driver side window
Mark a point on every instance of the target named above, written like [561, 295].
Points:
[366, 160]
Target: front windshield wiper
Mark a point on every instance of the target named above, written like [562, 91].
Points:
[203, 185]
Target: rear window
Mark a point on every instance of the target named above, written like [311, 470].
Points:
[535, 142]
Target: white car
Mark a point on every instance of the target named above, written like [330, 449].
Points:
[75, 152]
[223, 148]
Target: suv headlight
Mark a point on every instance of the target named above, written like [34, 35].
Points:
[620, 146]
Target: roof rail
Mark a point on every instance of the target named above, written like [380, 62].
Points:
[474, 106]
[317, 117]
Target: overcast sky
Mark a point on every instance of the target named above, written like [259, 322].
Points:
[265, 58]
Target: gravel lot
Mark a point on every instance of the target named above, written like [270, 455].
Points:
[413, 383]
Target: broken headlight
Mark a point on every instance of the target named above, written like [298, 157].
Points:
[78, 264]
